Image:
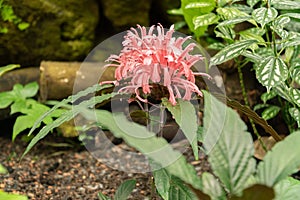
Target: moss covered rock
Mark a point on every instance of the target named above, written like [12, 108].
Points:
[59, 30]
[126, 13]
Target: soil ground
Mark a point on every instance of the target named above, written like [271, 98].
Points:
[55, 173]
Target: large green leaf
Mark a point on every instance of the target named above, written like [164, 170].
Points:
[264, 15]
[71, 99]
[287, 189]
[6, 98]
[231, 155]
[66, 116]
[281, 161]
[271, 71]
[212, 187]
[125, 189]
[231, 51]
[185, 116]
[157, 149]
[193, 8]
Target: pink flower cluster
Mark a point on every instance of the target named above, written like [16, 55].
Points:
[156, 58]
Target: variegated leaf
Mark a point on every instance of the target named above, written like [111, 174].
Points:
[283, 91]
[295, 113]
[231, 51]
[292, 15]
[264, 15]
[270, 112]
[271, 72]
[295, 73]
[253, 57]
[285, 4]
[234, 21]
[231, 13]
[268, 95]
[295, 94]
[252, 3]
[242, 8]
[225, 33]
[216, 46]
[200, 4]
[205, 20]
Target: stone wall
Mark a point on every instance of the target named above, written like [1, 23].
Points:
[67, 30]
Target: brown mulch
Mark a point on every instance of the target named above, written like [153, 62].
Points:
[67, 173]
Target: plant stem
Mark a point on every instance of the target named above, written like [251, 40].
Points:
[244, 93]
[161, 120]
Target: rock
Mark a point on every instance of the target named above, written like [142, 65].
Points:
[159, 12]
[59, 30]
[126, 13]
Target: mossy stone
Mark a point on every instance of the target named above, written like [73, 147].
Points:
[59, 30]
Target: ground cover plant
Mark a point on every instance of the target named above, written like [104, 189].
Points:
[224, 138]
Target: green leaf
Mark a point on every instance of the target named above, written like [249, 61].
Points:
[295, 113]
[231, 13]
[212, 187]
[192, 8]
[70, 99]
[199, 5]
[157, 149]
[66, 116]
[162, 182]
[230, 155]
[205, 20]
[252, 3]
[3, 170]
[242, 8]
[30, 90]
[233, 21]
[125, 189]
[287, 189]
[7, 68]
[286, 4]
[216, 46]
[283, 91]
[253, 57]
[185, 116]
[270, 112]
[23, 25]
[271, 72]
[22, 123]
[18, 106]
[179, 190]
[6, 98]
[230, 51]
[268, 95]
[102, 196]
[281, 161]
[256, 192]
[175, 11]
[225, 32]
[9, 196]
[295, 73]
[295, 94]
[264, 15]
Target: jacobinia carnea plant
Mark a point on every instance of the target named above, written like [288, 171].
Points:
[271, 44]
[224, 138]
